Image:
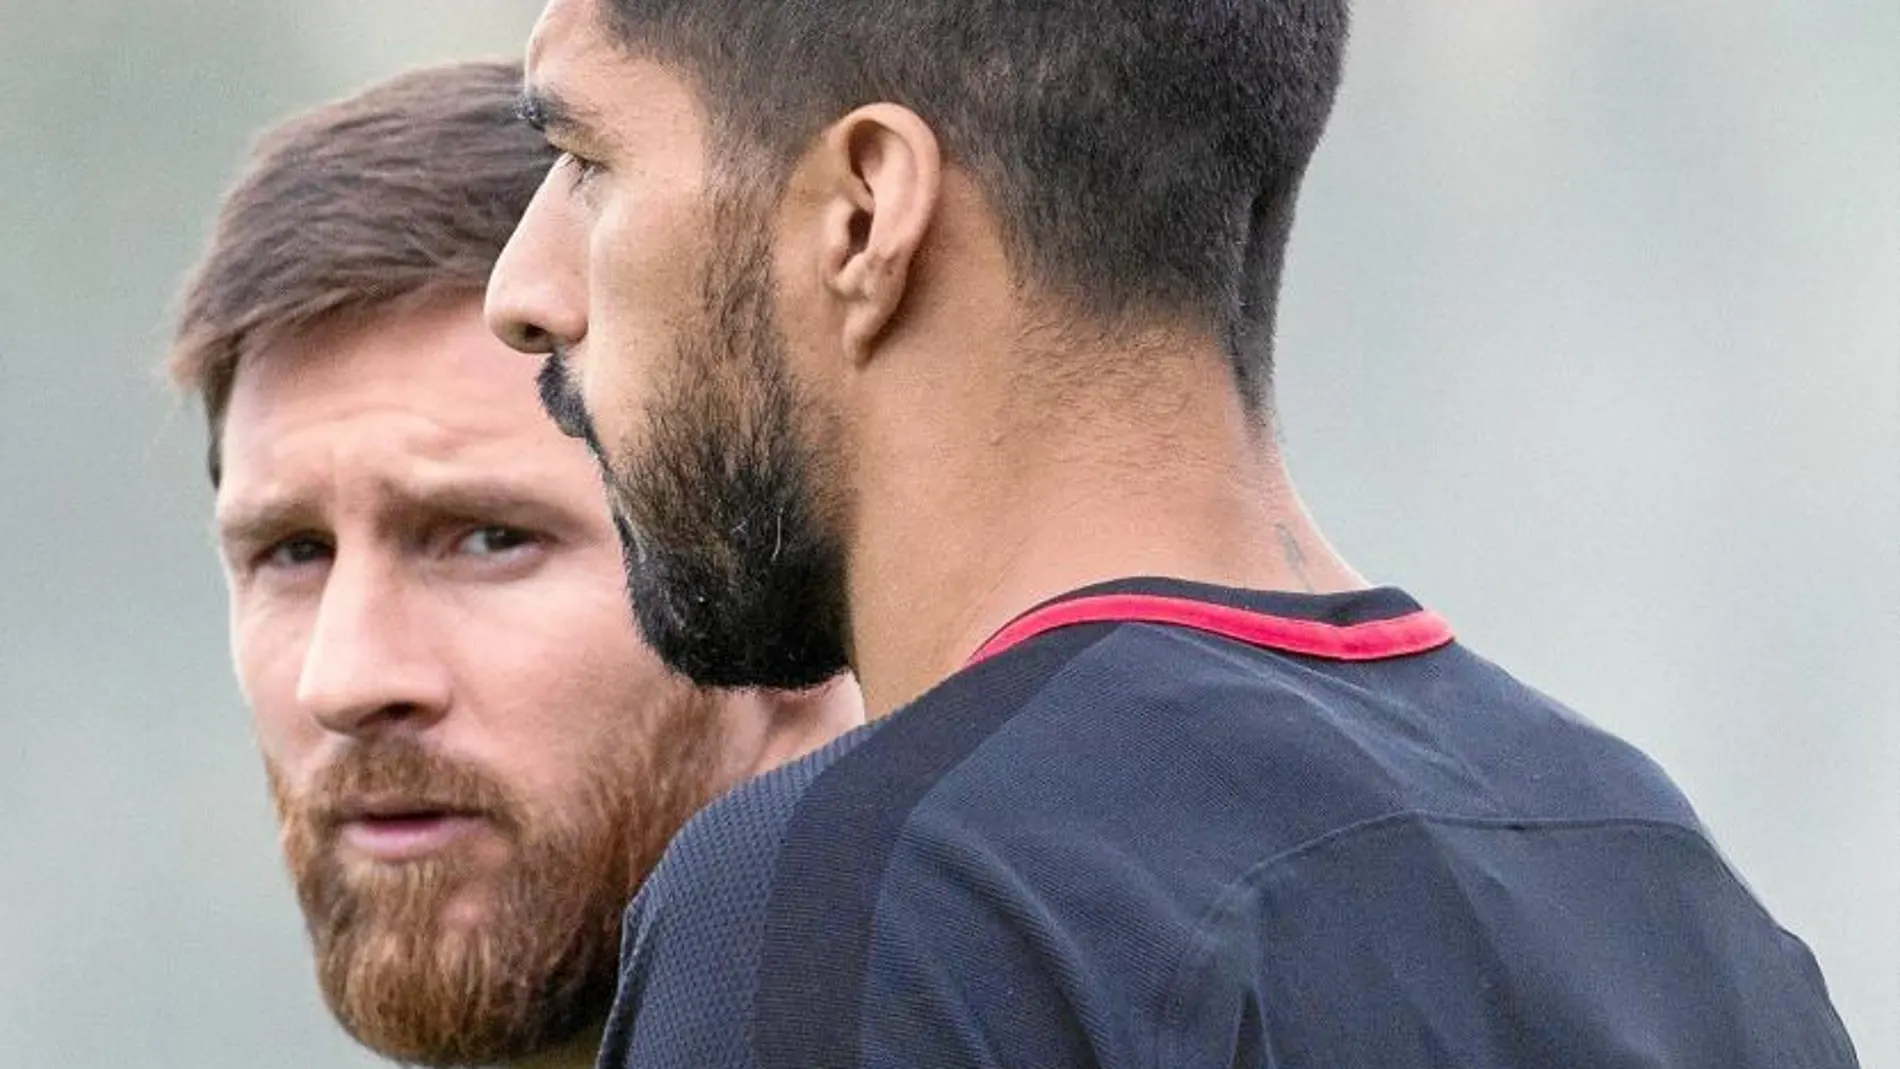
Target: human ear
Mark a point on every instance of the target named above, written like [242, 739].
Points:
[887, 173]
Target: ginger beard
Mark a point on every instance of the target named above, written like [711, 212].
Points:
[455, 960]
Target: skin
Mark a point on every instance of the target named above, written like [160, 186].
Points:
[413, 549]
[968, 483]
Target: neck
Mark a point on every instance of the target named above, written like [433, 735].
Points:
[577, 1053]
[996, 492]
[769, 728]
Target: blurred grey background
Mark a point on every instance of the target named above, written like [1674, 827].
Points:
[1591, 340]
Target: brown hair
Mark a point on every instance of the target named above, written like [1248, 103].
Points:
[406, 191]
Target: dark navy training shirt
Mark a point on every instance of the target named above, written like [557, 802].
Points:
[1161, 824]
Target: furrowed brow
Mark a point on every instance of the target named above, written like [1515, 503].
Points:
[249, 526]
[477, 501]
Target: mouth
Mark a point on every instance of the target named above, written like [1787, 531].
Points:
[394, 830]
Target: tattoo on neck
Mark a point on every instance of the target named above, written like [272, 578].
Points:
[1295, 556]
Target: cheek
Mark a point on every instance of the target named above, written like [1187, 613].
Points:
[267, 654]
[644, 299]
[566, 682]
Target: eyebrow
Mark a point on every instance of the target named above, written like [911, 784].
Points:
[252, 525]
[249, 525]
[547, 112]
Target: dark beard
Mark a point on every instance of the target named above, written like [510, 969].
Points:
[736, 577]
[541, 966]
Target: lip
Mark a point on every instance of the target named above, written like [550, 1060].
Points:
[391, 830]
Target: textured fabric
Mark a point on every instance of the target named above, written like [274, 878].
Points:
[690, 944]
[1134, 845]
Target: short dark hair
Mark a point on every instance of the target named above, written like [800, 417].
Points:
[1142, 156]
[406, 191]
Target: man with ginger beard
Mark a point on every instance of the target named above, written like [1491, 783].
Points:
[474, 759]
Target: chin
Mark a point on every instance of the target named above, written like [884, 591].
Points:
[470, 908]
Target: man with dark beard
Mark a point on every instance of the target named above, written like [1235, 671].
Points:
[474, 759]
[935, 337]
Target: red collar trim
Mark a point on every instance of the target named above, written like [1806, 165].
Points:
[1374, 640]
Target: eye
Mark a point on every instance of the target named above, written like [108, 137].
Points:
[298, 551]
[494, 540]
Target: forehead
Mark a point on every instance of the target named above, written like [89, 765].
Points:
[421, 395]
[570, 40]
[565, 25]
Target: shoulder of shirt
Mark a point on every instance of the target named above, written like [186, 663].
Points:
[1150, 674]
[741, 831]
[736, 838]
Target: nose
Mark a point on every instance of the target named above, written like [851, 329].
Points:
[370, 664]
[537, 293]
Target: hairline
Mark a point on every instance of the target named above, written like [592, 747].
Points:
[284, 332]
